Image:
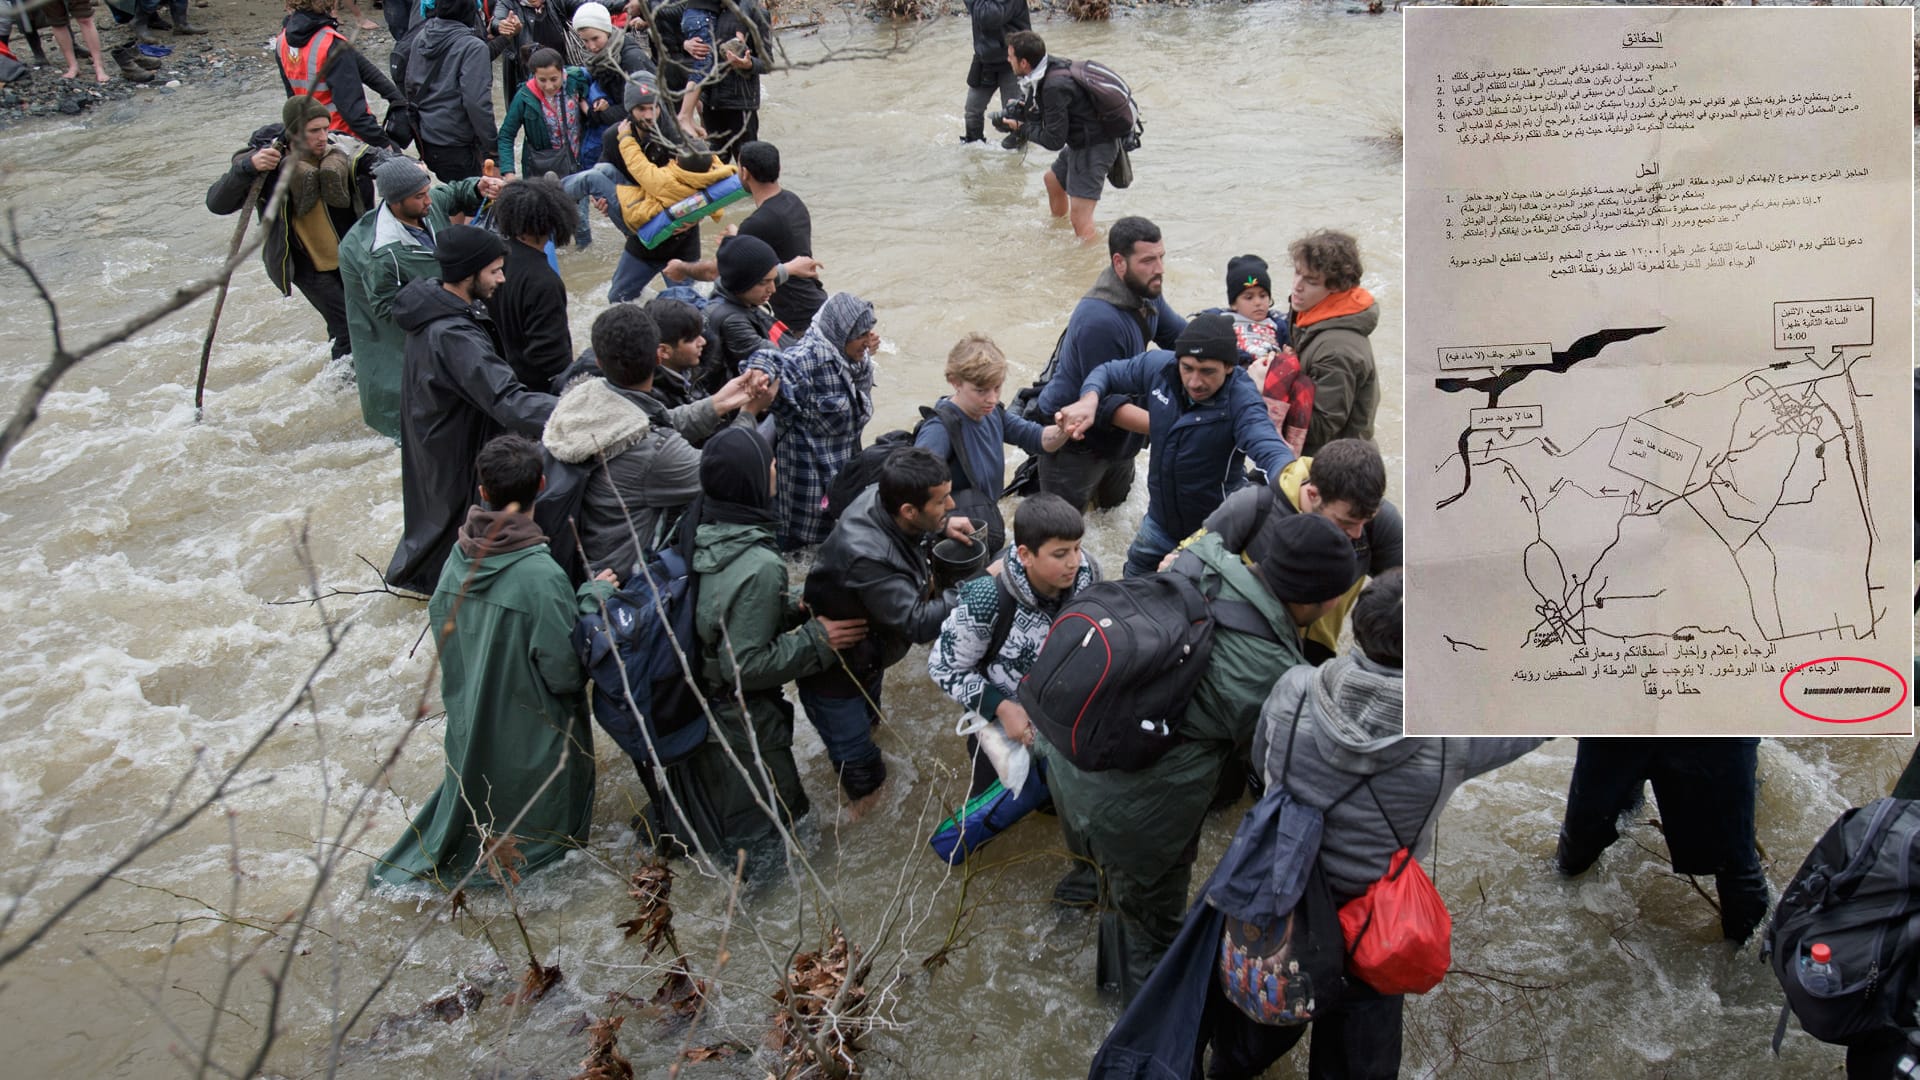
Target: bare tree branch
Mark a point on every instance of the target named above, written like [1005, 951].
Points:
[63, 360]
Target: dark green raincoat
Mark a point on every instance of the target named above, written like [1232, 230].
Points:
[743, 589]
[515, 710]
[377, 256]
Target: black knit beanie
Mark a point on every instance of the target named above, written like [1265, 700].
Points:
[1311, 560]
[743, 261]
[1243, 273]
[464, 251]
[1209, 337]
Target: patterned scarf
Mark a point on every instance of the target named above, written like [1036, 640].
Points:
[563, 120]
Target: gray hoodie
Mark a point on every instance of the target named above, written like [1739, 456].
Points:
[448, 76]
[643, 465]
[1350, 730]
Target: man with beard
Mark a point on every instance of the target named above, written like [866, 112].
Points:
[458, 393]
[391, 245]
[1116, 318]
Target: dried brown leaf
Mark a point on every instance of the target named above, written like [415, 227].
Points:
[503, 859]
[604, 1060]
[680, 992]
[534, 984]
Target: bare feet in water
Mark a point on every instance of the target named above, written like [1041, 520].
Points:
[859, 807]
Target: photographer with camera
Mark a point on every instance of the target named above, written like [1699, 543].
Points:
[330, 189]
[1059, 114]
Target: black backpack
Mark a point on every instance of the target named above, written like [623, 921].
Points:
[862, 471]
[630, 650]
[1113, 678]
[979, 501]
[1858, 892]
[557, 510]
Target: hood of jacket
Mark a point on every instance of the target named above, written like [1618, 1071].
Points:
[719, 543]
[1357, 715]
[488, 533]
[436, 36]
[302, 25]
[1109, 288]
[594, 417]
[480, 575]
[422, 301]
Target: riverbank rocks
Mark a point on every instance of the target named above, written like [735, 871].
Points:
[232, 47]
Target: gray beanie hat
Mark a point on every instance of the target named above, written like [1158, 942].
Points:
[641, 91]
[399, 177]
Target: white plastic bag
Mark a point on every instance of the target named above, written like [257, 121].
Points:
[1010, 760]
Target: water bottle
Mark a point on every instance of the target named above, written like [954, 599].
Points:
[1817, 973]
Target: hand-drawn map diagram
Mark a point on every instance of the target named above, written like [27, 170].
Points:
[1668, 495]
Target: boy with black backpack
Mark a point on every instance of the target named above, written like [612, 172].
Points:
[993, 635]
[1140, 807]
[970, 429]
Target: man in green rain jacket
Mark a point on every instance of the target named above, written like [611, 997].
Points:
[389, 246]
[1142, 828]
[512, 684]
[754, 639]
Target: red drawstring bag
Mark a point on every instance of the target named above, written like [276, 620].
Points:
[1399, 933]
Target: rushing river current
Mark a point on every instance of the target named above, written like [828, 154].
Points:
[147, 558]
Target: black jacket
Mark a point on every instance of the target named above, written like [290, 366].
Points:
[664, 20]
[634, 59]
[1067, 117]
[530, 310]
[673, 389]
[740, 89]
[869, 569]
[347, 75]
[544, 29]
[456, 394]
[277, 254]
[993, 20]
[734, 332]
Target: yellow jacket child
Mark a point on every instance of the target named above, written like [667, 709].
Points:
[660, 187]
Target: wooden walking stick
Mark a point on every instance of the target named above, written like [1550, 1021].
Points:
[220, 298]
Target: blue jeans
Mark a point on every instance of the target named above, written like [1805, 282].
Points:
[697, 25]
[630, 277]
[1148, 548]
[845, 725]
[598, 181]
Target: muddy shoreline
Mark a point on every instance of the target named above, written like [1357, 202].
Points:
[235, 50]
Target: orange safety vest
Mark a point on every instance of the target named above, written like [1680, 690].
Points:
[302, 67]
